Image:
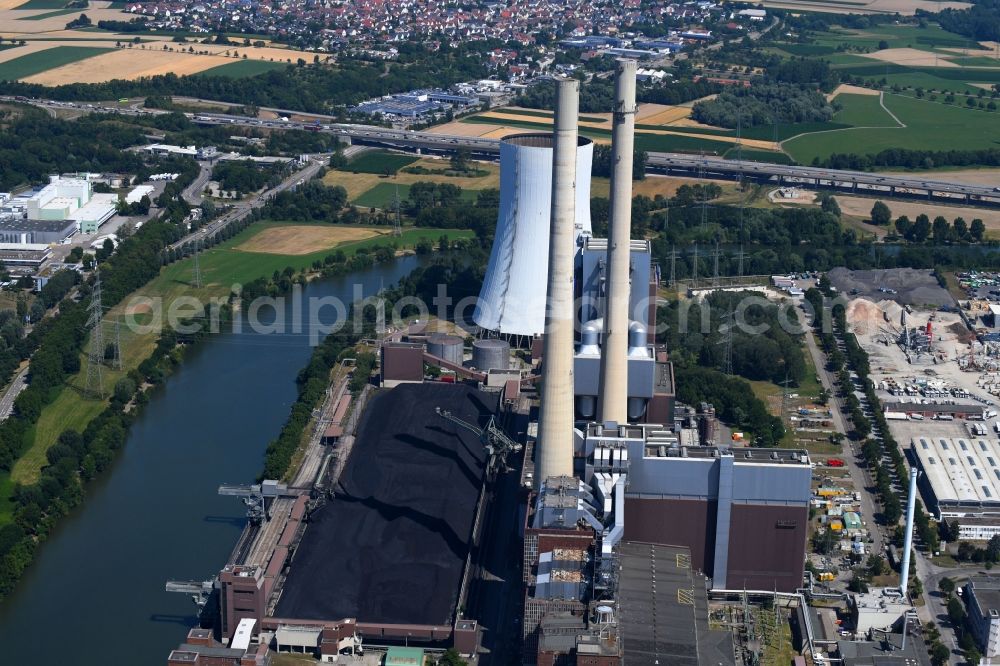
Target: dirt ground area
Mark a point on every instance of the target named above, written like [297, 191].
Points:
[848, 89]
[911, 286]
[910, 57]
[903, 7]
[862, 206]
[304, 239]
[458, 128]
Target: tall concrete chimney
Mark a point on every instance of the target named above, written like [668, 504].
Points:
[911, 500]
[555, 423]
[613, 387]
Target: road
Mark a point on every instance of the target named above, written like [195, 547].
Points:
[17, 384]
[935, 609]
[192, 193]
[691, 166]
[243, 208]
[858, 473]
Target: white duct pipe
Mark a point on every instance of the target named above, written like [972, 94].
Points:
[613, 393]
[555, 424]
[911, 500]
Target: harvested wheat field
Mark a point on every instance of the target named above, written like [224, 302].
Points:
[25, 21]
[357, 184]
[862, 206]
[848, 89]
[910, 57]
[128, 64]
[304, 239]
[668, 116]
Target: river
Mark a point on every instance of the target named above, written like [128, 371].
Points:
[95, 595]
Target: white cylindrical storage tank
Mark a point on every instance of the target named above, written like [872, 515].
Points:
[445, 346]
[491, 354]
[512, 299]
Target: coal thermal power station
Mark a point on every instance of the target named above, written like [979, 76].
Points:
[618, 497]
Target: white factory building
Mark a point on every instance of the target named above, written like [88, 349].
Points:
[70, 199]
[960, 480]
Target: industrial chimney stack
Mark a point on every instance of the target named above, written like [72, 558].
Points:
[613, 391]
[911, 500]
[555, 423]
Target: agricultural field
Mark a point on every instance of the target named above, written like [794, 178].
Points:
[383, 196]
[299, 239]
[380, 162]
[31, 64]
[904, 7]
[659, 128]
[243, 68]
[926, 125]
[383, 188]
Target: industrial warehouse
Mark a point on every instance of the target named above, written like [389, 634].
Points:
[544, 498]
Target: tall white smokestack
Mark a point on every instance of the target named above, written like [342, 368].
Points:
[555, 423]
[911, 500]
[613, 391]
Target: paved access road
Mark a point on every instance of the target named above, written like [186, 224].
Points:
[243, 208]
[17, 384]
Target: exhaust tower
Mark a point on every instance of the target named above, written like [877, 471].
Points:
[555, 424]
[613, 392]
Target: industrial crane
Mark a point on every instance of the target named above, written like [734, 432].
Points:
[493, 439]
[253, 498]
[199, 591]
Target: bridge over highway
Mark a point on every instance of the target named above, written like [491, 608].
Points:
[911, 186]
[919, 186]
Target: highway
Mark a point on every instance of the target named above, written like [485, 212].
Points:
[692, 166]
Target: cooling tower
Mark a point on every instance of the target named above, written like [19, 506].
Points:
[512, 300]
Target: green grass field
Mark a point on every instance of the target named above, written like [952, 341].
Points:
[896, 36]
[41, 61]
[243, 68]
[383, 196]
[863, 111]
[929, 126]
[43, 4]
[380, 162]
[58, 12]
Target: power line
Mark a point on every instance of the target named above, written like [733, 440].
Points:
[95, 375]
[196, 277]
[116, 360]
[673, 265]
[694, 268]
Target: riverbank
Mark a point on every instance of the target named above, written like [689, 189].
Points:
[146, 358]
[157, 515]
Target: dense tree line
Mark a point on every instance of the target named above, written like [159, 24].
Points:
[808, 72]
[244, 175]
[312, 201]
[597, 95]
[602, 162]
[36, 145]
[911, 159]
[981, 21]
[734, 400]
[764, 104]
[697, 332]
